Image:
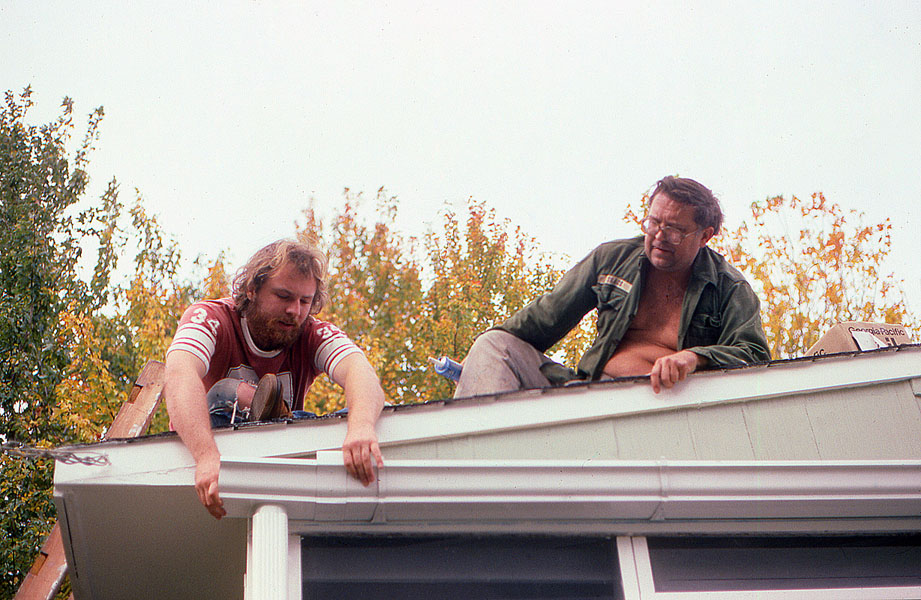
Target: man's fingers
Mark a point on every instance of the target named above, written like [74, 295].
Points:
[359, 453]
[669, 370]
[217, 511]
[671, 374]
[210, 498]
[206, 485]
[214, 503]
[367, 465]
[213, 497]
[378, 457]
[349, 463]
[202, 492]
[664, 374]
[354, 465]
[359, 461]
[655, 377]
[361, 456]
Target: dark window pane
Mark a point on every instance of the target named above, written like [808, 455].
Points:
[782, 563]
[449, 567]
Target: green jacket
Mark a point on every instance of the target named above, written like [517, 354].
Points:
[720, 316]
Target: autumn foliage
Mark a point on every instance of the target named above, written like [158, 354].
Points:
[814, 264]
[72, 338]
[73, 341]
[404, 300]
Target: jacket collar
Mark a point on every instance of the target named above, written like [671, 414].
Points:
[704, 266]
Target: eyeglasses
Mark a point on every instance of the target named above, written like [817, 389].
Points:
[672, 235]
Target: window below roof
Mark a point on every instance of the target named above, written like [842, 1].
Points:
[726, 564]
[460, 567]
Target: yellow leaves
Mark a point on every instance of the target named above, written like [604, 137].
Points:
[401, 307]
[636, 210]
[403, 300]
[814, 264]
[87, 398]
[216, 283]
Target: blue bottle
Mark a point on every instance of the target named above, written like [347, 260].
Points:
[446, 367]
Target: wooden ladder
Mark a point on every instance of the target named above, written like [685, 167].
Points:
[46, 576]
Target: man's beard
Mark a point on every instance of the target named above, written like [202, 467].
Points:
[266, 332]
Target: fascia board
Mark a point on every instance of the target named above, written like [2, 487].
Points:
[551, 406]
[520, 410]
[481, 491]
[534, 408]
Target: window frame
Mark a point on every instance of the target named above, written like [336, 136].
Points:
[637, 581]
[644, 585]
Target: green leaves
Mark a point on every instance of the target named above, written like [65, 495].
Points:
[69, 348]
[39, 249]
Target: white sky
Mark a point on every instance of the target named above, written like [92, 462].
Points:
[229, 116]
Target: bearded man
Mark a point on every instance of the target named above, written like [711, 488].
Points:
[254, 355]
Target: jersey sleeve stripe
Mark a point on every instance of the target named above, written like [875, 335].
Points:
[191, 350]
[196, 330]
[332, 351]
[195, 339]
[337, 357]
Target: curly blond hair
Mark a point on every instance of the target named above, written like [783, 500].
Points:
[307, 259]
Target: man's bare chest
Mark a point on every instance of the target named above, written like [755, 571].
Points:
[658, 316]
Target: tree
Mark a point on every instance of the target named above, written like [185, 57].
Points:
[111, 346]
[481, 274]
[71, 345]
[375, 296]
[41, 230]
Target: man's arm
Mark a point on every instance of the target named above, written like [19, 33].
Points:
[364, 398]
[186, 404]
[741, 341]
[547, 319]
[741, 337]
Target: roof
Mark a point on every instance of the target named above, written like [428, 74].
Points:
[818, 444]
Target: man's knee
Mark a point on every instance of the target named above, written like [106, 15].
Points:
[223, 393]
[499, 362]
[229, 400]
[496, 344]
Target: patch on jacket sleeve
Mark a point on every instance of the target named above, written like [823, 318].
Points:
[616, 282]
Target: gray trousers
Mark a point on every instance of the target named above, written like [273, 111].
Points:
[500, 362]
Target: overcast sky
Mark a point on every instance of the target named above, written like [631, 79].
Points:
[229, 116]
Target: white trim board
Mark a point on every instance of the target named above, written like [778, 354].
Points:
[525, 409]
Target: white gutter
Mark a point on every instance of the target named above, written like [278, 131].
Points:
[620, 496]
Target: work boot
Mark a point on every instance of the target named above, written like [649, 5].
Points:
[268, 403]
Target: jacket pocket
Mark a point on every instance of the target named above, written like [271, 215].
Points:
[704, 330]
[609, 297]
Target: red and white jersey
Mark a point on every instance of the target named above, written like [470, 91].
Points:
[216, 333]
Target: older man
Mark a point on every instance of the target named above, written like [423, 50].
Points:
[667, 306]
[253, 356]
